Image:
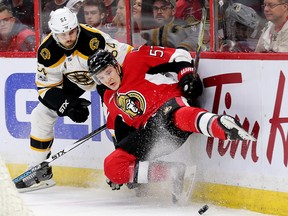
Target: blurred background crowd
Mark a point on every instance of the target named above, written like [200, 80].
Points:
[239, 24]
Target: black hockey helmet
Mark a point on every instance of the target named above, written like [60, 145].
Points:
[99, 61]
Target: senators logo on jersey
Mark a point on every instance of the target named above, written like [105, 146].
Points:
[132, 103]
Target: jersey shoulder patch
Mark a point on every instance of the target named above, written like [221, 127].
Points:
[90, 39]
[49, 52]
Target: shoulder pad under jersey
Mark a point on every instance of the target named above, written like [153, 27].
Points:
[49, 52]
[90, 39]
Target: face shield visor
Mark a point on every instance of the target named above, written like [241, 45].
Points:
[99, 62]
[99, 75]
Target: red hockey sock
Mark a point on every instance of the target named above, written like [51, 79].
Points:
[198, 120]
[158, 172]
[186, 118]
[216, 130]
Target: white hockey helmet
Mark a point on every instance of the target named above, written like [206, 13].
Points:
[62, 20]
[71, 3]
[242, 14]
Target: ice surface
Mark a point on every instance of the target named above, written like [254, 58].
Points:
[72, 201]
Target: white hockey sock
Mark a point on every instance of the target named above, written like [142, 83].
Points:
[143, 171]
[204, 123]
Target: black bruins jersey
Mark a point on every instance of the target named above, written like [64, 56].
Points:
[56, 64]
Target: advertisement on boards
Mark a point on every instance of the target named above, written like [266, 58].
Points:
[19, 97]
[253, 91]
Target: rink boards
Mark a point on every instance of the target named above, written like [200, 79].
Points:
[250, 175]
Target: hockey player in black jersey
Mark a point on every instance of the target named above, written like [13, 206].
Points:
[61, 79]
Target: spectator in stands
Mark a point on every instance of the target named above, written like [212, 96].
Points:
[95, 13]
[111, 7]
[141, 19]
[23, 10]
[120, 22]
[170, 31]
[164, 12]
[137, 14]
[138, 22]
[14, 35]
[274, 37]
[139, 8]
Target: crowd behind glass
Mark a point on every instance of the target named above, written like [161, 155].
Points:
[240, 25]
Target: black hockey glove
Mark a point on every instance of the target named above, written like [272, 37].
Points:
[113, 186]
[190, 83]
[76, 110]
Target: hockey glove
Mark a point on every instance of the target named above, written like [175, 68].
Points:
[190, 83]
[76, 110]
[113, 186]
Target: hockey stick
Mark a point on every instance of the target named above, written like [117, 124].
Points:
[200, 36]
[59, 154]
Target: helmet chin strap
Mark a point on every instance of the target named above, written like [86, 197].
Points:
[119, 70]
[61, 45]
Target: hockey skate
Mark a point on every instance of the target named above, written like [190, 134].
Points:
[177, 180]
[233, 129]
[38, 180]
[182, 183]
[188, 185]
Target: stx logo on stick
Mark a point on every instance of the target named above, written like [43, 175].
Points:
[59, 154]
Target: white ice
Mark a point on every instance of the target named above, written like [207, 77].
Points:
[72, 201]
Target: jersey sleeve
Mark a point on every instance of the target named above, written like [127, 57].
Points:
[158, 59]
[118, 49]
[47, 78]
[155, 55]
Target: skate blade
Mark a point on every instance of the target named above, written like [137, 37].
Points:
[188, 185]
[241, 132]
[42, 185]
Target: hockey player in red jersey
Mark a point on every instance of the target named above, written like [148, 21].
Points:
[149, 115]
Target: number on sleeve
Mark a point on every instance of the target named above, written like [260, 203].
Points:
[156, 51]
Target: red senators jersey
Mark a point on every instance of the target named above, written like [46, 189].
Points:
[149, 80]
